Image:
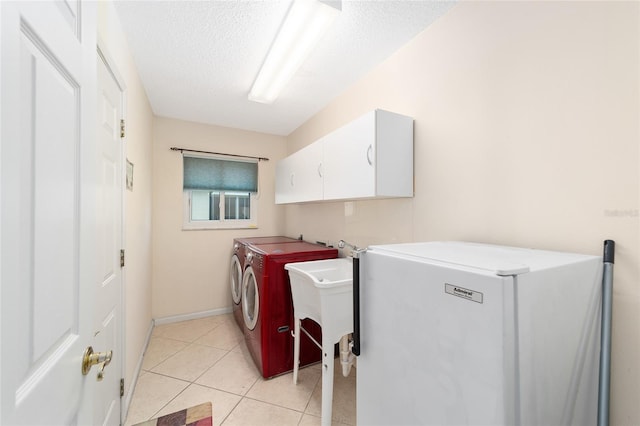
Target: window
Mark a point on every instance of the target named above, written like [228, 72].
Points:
[219, 193]
[206, 205]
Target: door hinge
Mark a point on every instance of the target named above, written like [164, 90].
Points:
[122, 258]
[121, 387]
[122, 128]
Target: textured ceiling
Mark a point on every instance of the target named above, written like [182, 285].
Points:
[198, 59]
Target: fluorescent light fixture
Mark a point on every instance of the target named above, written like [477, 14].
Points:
[306, 22]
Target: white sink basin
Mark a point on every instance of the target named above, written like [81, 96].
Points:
[323, 291]
[325, 273]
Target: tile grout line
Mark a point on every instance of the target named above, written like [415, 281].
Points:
[189, 383]
[189, 343]
[154, 415]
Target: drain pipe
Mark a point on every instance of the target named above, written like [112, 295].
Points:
[347, 358]
[605, 334]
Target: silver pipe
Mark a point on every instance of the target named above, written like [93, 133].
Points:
[355, 251]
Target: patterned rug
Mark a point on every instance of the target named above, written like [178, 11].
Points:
[200, 415]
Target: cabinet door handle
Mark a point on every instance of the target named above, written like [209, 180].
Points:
[291, 178]
[369, 153]
[320, 169]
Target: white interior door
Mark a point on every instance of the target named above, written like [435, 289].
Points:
[108, 307]
[48, 199]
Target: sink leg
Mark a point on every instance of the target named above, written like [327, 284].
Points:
[327, 382]
[296, 348]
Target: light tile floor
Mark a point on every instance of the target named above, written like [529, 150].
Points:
[192, 362]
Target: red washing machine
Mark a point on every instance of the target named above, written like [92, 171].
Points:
[267, 307]
[236, 269]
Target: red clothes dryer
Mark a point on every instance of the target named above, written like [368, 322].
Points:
[236, 268]
[267, 308]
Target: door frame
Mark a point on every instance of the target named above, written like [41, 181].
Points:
[110, 63]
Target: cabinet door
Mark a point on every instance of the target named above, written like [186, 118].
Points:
[350, 160]
[394, 155]
[284, 190]
[299, 176]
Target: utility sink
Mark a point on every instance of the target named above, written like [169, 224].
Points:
[323, 291]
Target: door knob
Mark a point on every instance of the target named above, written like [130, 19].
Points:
[90, 358]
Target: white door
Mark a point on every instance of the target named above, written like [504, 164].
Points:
[48, 218]
[107, 320]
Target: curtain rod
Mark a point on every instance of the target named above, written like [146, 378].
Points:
[173, 148]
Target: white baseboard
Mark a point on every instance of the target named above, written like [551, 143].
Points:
[126, 401]
[192, 316]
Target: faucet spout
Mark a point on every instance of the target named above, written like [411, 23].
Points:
[342, 244]
[355, 251]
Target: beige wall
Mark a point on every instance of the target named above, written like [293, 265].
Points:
[191, 268]
[139, 117]
[526, 133]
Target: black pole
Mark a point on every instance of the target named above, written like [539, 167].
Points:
[356, 306]
[605, 333]
[173, 148]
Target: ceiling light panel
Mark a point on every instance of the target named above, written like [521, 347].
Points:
[305, 24]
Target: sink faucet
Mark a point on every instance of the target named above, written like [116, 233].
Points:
[355, 251]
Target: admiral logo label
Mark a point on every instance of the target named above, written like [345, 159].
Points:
[465, 293]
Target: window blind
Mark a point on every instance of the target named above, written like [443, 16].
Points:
[218, 174]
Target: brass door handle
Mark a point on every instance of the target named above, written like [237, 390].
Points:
[90, 358]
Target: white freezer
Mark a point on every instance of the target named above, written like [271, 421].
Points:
[459, 333]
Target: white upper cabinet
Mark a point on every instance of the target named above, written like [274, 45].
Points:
[371, 157]
[349, 159]
[298, 177]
